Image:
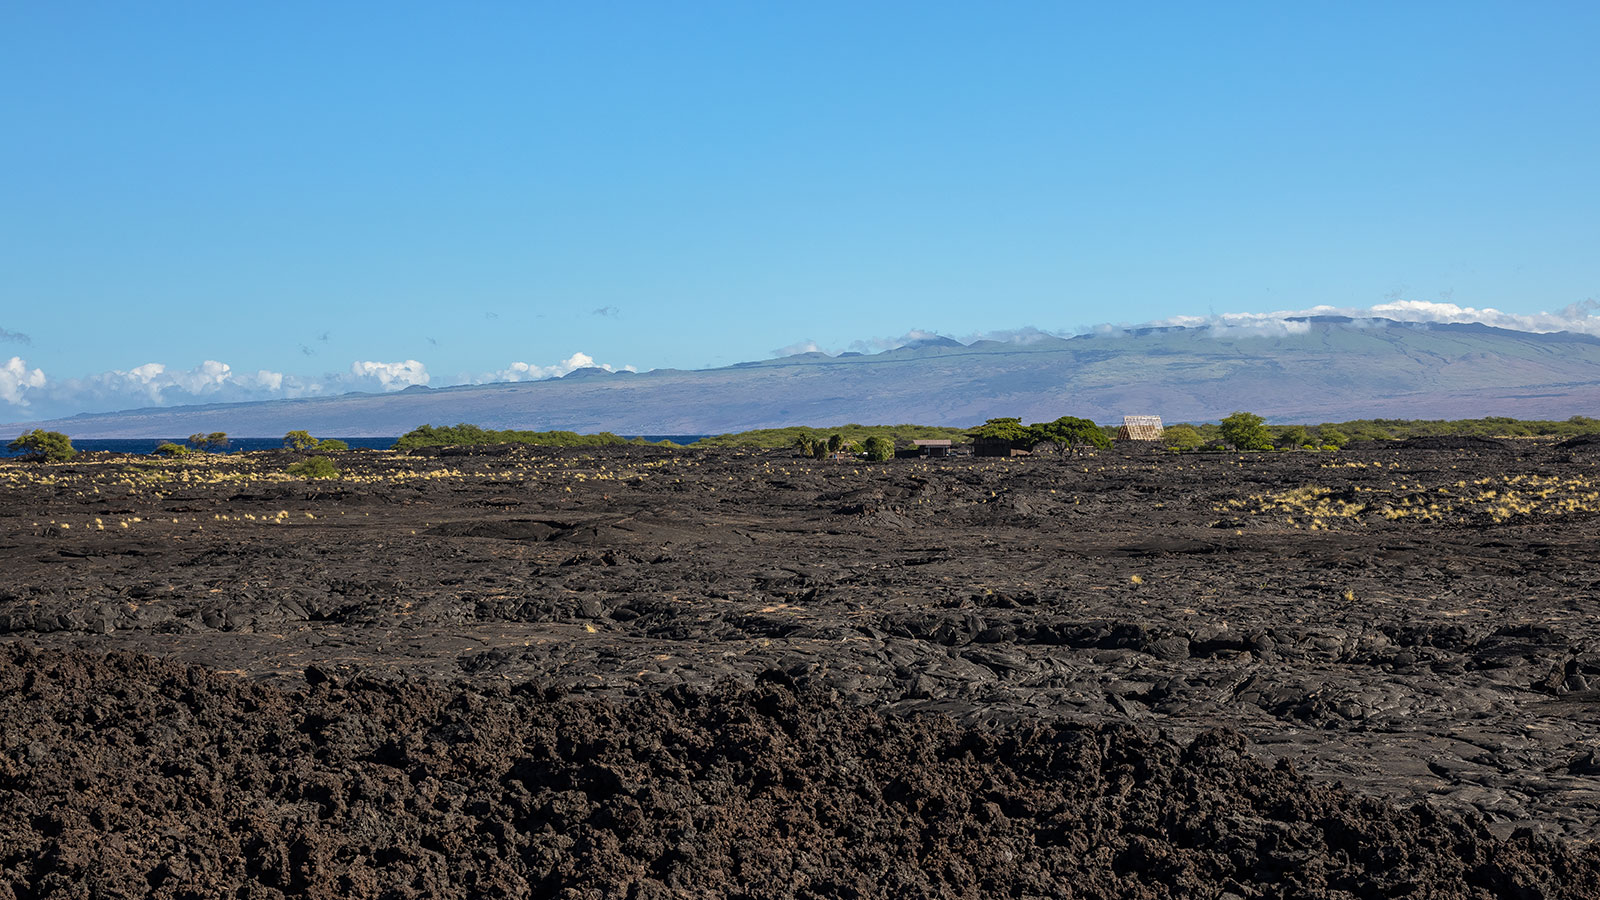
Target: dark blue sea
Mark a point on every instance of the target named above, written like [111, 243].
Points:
[148, 445]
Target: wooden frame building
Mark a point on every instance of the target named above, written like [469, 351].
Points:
[1140, 428]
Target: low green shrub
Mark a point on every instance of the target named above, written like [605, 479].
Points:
[39, 445]
[878, 448]
[315, 467]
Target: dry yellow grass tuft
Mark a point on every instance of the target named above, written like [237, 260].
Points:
[1498, 500]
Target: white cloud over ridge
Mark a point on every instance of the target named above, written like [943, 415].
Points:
[797, 348]
[1580, 318]
[392, 376]
[27, 393]
[521, 371]
[1577, 317]
[879, 345]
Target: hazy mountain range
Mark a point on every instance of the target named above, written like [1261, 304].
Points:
[1303, 369]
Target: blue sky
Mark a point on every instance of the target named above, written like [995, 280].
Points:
[330, 196]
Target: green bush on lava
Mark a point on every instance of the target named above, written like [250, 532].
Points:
[878, 448]
[39, 445]
[1246, 431]
[467, 435]
[315, 467]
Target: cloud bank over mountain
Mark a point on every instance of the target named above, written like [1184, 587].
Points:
[521, 371]
[29, 393]
[1577, 317]
[1320, 369]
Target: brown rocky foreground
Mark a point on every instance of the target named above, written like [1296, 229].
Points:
[639, 672]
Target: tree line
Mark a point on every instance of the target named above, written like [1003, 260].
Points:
[1241, 430]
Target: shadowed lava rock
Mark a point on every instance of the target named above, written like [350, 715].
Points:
[122, 775]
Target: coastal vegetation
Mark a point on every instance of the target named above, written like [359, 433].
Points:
[1067, 430]
[1490, 426]
[1247, 431]
[54, 446]
[43, 446]
[1182, 437]
[301, 441]
[878, 448]
[779, 438]
[1338, 434]
[203, 441]
[466, 434]
[314, 467]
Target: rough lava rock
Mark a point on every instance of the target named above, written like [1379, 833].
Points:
[122, 775]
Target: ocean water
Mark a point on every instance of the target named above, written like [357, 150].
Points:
[148, 445]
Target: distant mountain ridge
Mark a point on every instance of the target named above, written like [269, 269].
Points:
[1304, 369]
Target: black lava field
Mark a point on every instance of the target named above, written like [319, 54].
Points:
[649, 673]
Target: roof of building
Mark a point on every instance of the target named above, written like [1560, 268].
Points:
[1140, 428]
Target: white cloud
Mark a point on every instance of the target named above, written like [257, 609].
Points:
[154, 384]
[1577, 317]
[206, 379]
[878, 345]
[1027, 334]
[1243, 325]
[798, 347]
[16, 379]
[29, 392]
[391, 376]
[267, 381]
[521, 371]
[26, 393]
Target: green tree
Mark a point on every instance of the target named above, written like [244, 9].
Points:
[879, 448]
[1332, 437]
[835, 443]
[299, 440]
[332, 444]
[216, 440]
[806, 444]
[39, 445]
[171, 450]
[315, 467]
[1003, 429]
[1181, 437]
[1292, 437]
[1246, 431]
[1067, 430]
[466, 435]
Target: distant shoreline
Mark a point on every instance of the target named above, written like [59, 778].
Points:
[247, 444]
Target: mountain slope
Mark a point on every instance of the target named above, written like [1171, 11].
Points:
[1312, 369]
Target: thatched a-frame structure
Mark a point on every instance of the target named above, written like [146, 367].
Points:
[1140, 428]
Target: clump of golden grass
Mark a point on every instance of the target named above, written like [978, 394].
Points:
[1499, 499]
